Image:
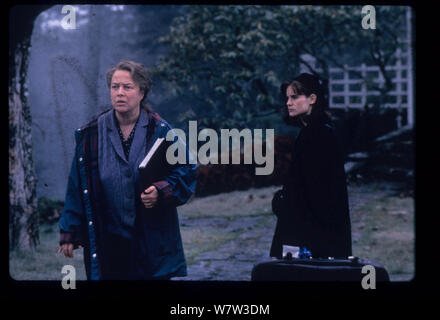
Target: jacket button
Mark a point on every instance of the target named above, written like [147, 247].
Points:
[80, 159]
[90, 223]
[85, 191]
[94, 255]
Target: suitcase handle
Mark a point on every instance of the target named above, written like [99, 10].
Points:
[353, 259]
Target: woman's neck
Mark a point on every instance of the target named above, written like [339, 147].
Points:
[127, 118]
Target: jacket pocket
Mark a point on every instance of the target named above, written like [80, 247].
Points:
[161, 242]
[157, 218]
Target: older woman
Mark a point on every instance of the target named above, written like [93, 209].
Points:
[104, 199]
[312, 207]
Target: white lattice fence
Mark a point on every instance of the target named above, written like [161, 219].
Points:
[354, 87]
[351, 86]
[349, 89]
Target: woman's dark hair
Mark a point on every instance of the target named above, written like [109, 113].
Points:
[306, 84]
[140, 76]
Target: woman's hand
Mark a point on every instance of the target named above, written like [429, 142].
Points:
[149, 197]
[67, 249]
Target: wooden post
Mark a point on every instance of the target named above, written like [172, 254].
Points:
[409, 61]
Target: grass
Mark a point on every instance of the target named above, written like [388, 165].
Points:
[199, 240]
[44, 263]
[382, 227]
[388, 234]
[231, 205]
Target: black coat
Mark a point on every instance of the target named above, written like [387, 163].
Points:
[313, 208]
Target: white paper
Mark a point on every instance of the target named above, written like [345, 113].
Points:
[292, 249]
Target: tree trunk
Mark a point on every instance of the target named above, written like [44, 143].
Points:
[94, 54]
[23, 214]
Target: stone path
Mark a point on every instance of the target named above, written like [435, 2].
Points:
[234, 259]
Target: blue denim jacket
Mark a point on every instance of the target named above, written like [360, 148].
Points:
[158, 249]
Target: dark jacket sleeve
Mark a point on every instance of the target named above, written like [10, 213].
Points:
[73, 211]
[279, 203]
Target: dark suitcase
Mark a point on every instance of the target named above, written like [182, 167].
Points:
[295, 269]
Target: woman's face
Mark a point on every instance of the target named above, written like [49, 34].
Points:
[124, 92]
[298, 104]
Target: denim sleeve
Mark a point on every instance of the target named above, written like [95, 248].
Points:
[73, 210]
[178, 186]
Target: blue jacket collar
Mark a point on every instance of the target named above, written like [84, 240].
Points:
[111, 124]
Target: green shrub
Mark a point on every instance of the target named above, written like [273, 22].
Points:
[49, 210]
